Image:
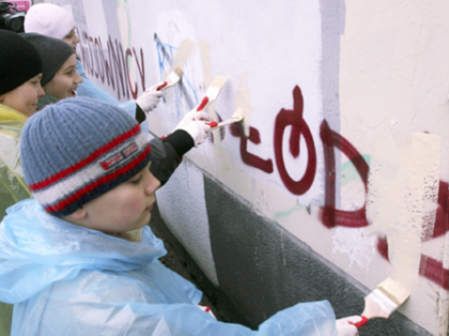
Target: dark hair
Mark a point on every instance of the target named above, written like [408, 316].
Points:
[10, 17]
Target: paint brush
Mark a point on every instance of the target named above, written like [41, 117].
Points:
[180, 57]
[172, 78]
[383, 300]
[229, 121]
[237, 117]
[212, 92]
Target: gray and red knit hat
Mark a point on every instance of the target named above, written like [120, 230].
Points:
[78, 149]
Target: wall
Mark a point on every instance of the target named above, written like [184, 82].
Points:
[333, 92]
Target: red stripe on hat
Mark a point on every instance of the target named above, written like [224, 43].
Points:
[102, 180]
[81, 164]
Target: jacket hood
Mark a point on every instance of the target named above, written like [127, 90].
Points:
[38, 249]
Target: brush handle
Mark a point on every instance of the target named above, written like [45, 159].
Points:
[361, 323]
[161, 86]
[203, 104]
[223, 123]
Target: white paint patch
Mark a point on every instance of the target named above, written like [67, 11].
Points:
[358, 248]
[403, 191]
[123, 25]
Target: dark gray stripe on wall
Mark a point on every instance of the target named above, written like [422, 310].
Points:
[263, 268]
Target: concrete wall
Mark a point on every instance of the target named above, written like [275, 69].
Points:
[333, 93]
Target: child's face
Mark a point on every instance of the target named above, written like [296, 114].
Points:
[126, 207]
[25, 97]
[65, 81]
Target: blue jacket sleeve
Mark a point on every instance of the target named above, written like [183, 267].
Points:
[88, 88]
[305, 319]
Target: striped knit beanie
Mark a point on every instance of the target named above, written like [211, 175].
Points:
[78, 149]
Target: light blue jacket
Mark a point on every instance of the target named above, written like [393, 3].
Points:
[64, 279]
[88, 88]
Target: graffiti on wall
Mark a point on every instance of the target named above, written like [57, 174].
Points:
[110, 65]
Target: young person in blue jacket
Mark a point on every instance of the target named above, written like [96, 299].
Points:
[57, 22]
[67, 260]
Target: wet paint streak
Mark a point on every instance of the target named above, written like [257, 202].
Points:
[430, 268]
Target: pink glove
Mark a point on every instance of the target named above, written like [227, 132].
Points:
[346, 327]
[148, 100]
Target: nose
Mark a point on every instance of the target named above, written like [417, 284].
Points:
[78, 78]
[152, 184]
[76, 39]
[40, 91]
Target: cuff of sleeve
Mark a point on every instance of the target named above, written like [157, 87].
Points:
[140, 115]
[181, 141]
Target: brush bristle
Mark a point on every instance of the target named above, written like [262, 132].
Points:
[385, 299]
[394, 290]
[178, 71]
[218, 81]
[215, 86]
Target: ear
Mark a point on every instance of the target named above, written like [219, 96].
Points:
[78, 215]
[2, 98]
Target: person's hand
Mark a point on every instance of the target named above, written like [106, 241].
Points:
[195, 123]
[148, 100]
[345, 326]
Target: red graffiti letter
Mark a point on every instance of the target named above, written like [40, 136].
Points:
[330, 216]
[248, 158]
[293, 118]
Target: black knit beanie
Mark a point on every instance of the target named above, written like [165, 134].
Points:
[19, 61]
[53, 53]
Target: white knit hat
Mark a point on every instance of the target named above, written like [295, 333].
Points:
[49, 19]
